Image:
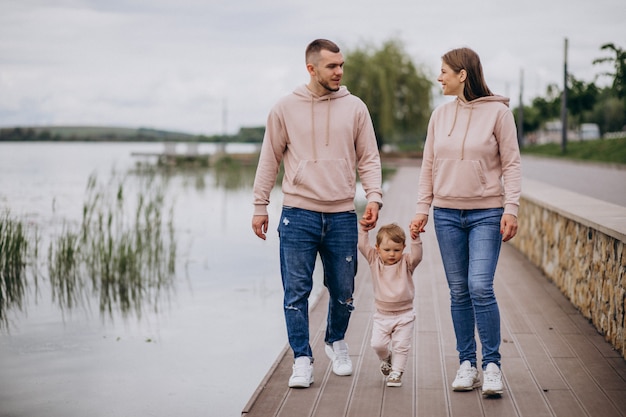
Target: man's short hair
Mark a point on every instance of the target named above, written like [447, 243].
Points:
[314, 48]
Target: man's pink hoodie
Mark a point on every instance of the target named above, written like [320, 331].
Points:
[471, 157]
[321, 142]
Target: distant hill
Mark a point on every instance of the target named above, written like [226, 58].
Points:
[119, 134]
[90, 133]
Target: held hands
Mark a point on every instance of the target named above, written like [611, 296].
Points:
[259, 225]
[508, 227]
[370, 217]
[417, 225]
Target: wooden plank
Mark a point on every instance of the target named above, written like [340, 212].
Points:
[595, 363]
[432, 402]
[526, 396]
[272, 394]
[587, 391]
[369, 387]
[564, 403]
[552, 341]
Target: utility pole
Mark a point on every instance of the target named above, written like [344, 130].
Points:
[520, 111]
[564, 104]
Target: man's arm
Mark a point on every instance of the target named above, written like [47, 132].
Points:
[267, 169]
[369, 168]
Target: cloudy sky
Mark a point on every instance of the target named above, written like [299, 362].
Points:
[213, 66]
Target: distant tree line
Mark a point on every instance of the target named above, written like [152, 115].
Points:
[19, 134]
[586, 102]
[29, 134]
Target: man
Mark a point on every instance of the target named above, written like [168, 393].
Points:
[322, 134]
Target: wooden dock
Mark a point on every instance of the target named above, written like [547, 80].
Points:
[554, 362]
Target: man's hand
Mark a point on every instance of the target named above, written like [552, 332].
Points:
[259, 225]
[417, 225]
[370, 217]
[508, 227]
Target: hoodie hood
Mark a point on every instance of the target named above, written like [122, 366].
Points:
[306, 94]
[470, 105]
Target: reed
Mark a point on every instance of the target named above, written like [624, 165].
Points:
[14, 254]
[124, 251]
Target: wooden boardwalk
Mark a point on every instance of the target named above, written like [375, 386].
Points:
[554, 362]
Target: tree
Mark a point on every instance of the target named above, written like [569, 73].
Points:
[581, 97]
[619, 65]
[609, 113]
[397, 94]
[548, 107]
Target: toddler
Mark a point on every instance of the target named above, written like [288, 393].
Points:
[394, 290]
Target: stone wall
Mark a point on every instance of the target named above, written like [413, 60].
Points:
[578, 243]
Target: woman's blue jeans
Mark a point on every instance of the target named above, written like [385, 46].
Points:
[470, 241]
[303, 234]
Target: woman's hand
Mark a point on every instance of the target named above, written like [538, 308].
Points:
[417, 225]
[508, 227]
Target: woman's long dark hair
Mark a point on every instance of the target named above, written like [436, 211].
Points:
[468, 60]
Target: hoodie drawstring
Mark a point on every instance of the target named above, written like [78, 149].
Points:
[456, 110]
[469, 119]
[328, 122]
[327, 141]
[313, 131]
[466, 130]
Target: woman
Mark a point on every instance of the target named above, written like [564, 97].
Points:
[471, 175]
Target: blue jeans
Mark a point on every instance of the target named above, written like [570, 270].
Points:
[303, 234]
[470, 241]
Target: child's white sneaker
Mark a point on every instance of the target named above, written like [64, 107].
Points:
[338, 354]
[302, 375]
[394, 379]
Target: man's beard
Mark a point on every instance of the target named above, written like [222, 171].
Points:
[328, 87]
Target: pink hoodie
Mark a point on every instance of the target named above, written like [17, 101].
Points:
[321, 141]
[394, 289]
[471, 157]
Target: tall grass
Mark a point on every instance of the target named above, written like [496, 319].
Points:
[15, 257]
[124, 251]
[600, 150]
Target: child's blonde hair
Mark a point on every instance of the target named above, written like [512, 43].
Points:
[393, 232]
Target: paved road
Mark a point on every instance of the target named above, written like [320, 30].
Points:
[602, 181]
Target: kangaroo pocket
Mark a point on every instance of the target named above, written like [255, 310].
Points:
[324, 180]
[454, 178]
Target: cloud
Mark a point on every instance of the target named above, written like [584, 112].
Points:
[205, 67]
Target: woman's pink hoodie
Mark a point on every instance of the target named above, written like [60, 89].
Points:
[471, 157]
[322, 141]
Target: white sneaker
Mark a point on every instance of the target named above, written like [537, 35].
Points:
[466, 377]
[302, 375]
[394, 379]
[338, 353]
[492, 380]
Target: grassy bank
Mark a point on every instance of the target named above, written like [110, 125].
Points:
[601, 150]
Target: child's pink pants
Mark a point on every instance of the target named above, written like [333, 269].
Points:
[393, 333]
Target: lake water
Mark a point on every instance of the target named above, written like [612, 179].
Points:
[214, 334]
